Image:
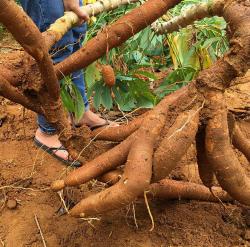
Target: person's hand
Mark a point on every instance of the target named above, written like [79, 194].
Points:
[74, 6]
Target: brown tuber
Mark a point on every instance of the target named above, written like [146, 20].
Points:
[57, 185]
[108, 75]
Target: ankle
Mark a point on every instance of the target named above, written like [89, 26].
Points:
[40, 134]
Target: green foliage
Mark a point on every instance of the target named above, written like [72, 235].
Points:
[193, 48]
[175, 80]
[128, 93]
[188, 51]
[72, 98]
[139, 51]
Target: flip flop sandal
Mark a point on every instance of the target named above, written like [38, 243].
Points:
[51, 151]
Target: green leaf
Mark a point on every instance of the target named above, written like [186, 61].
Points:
[106, 98]
[78, 103]
[67, 99]
[175, 80]
[92, 74]
[97, 95]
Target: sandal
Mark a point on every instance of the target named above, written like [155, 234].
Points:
[51, 151]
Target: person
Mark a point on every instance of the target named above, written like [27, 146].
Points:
[44, 13]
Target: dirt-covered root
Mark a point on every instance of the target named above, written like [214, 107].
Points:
[118, 155]
[111, 177]
[118, 133]
[136, 179]
[13, 94]
[175, 144]
[204, 167]
[227, 168]
[245, 127]
[137, 173]
[241, 142]
[171, 189]
[98, 166]
[27, 34]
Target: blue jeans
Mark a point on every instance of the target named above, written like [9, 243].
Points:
[44, 13]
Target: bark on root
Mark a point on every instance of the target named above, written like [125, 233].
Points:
[139, 146]
[210, 84]
[118, 133]
[228, 170]
[170, 189]
[175, 144]
[118, 155]
[137, 173]
[241, 142]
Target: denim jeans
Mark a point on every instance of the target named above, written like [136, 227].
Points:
[44, 13]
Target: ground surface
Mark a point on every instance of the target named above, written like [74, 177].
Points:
[26, 173]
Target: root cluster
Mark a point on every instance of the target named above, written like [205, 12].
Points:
[151, 146]
[200, 117]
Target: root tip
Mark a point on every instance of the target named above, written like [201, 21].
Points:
[57, 185]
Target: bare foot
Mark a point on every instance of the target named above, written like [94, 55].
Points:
[91, 120]
[51, 141]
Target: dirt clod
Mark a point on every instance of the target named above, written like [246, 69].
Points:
[11, 204]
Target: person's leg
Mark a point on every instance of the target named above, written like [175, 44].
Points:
[89, 118]
[43, 13]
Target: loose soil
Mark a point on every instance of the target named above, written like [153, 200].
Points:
[26, 173]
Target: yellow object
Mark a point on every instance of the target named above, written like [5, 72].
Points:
[93, 18]
[89, 1]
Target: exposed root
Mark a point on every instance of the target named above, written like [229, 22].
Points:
[108, 75]
[142, 137]
[228, 170]
[111, 177]
[137, 173]
[205, 169]
[40, 231]
[127, 189]
[241, 142]
[27, 34]
[149, 211]
[118, 133]
[13, 94]
[170, 189]
[175, 144]
[118, 155]
[96, 167]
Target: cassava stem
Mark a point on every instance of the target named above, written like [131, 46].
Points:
[62, 25]
[196, 12]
